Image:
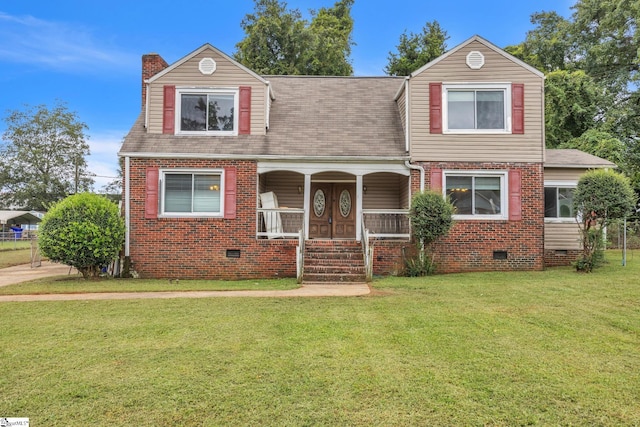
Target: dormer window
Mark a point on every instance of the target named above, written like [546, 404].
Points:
[207, 111]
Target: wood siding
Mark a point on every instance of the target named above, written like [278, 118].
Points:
[227, 75]
[426, 146]
[561, 236]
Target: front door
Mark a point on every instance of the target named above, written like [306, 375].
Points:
[332, 211]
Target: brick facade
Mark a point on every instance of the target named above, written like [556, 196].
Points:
[196, 248]
[560, 258]
[472, 245]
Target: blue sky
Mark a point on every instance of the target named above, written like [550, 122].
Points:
[88, 54]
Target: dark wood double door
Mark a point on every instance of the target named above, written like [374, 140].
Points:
[332, 211]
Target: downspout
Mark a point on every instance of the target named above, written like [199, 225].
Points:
[127, 204]
[408, 164]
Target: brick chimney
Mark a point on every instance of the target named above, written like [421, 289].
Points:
[152, 64]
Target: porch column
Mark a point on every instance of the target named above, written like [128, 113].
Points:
[307, 203]
[359, 208]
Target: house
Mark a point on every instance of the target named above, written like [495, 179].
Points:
[230, 174]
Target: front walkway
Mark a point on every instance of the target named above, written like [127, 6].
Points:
[24, 273]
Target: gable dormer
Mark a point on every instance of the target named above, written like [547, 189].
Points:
[206, 93]
[475, 103]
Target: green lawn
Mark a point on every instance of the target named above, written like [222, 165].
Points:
[10, 257]
[536, 348]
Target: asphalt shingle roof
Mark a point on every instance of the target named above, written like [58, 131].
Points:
[572, 158]
[311, 116]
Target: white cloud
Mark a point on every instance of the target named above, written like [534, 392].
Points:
[103, 160]
[61, 46]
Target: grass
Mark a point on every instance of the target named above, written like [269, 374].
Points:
[76, 284]
[12, 257]
[535, 348]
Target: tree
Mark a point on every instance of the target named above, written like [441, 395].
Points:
[431, 217]
[548, 47]
[279, 41]
[600, 197]
[42, 157]
[601, 144]
[416, 50]
[85, 231]
[572, 105]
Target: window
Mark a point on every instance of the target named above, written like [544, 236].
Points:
[558, 202]
[207, 111]
[477, 108]
[477, 195]
[192, 193]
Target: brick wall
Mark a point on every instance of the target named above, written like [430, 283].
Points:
[190, 248]
[152, 64]
[560, 258]
[470, 244]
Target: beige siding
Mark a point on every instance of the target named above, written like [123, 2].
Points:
[477, 148]
[285, 186]
[557, 174]
[565, 235]
[402, 108]
[384, 191]
[227, 74]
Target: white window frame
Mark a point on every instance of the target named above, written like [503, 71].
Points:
[186, 171]
[504, 192]
[506, 87]
[207, 91]
[560, 184]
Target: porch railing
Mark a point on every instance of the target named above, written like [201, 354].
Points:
[386, 223]
[367, 252]
[281, 223]
[300, 256]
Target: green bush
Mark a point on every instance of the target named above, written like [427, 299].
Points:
[431, 218]
[85, 231]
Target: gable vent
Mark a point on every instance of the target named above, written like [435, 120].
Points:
[207, 66]
[475, 60]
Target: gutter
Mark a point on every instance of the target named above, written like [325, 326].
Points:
[417, 168]
[127, 206]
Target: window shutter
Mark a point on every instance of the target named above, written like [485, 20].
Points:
[169, 109]
[436, 179]
[151, 194]
[515, 195]
[244, 119]
[230, 175]
[517, 108]
[435, 107]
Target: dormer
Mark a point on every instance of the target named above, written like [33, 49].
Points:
[206, 93]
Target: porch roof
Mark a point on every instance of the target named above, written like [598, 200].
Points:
[311, 117]
[572, 158]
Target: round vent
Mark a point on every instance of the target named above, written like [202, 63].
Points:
[207, 66]
[475, 60]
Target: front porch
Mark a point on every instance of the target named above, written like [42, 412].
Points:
[362, 205]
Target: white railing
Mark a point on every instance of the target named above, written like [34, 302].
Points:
[281, 223]
[387, 223]
[300, 256]
[367, 252]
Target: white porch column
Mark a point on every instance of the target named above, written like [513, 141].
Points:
[359, 194]
[307, 204]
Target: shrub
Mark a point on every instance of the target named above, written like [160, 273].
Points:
[431, 218]
[84, 231]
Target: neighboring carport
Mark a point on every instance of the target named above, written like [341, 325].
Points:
[9, 218]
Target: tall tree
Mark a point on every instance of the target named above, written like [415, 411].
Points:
[416, 50]
[279, 41]
[548, 47]
[573, 105]
[42, 157]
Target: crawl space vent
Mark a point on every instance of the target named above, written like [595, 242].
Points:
[207, 66]
[475, 60]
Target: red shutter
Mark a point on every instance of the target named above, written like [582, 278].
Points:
[169, 109]
[515, 195]
[151, 194]
[436, 180]
[230, 193]
[517, 108]
[435, 107]
[244, 119]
